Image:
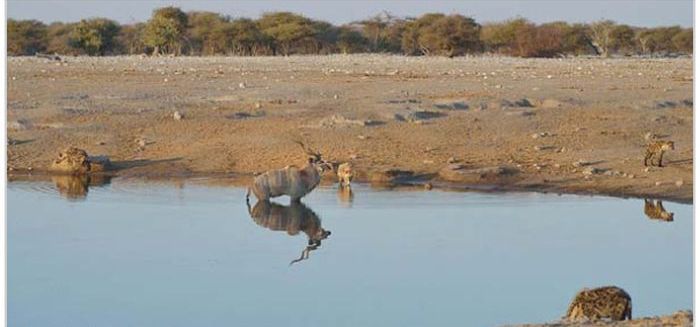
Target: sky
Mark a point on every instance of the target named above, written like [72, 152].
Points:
[632, 12]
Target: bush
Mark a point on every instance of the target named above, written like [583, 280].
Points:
[94, 36]
[351, 40]
[172, 31]
[26, 37]
[289, 32]
[165, 31]
[130, 39]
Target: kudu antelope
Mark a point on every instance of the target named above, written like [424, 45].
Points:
[293, 219]
[291, 180]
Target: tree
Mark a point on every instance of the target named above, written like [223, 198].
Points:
[452, 35]
[95, 36]
[130, 39]
[503, 37]
[393, 35]
[575, 40]
[60, 40]
[351, 40]
[286, 30]
[683, 41]
[325, 38]
[622, 39]
[601, 37]
[26, 37]
[208, 33]
[409, 39]
[165, 31]
[247, 39]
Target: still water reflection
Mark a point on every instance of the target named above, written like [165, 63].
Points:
[145, 254]
[292, 218]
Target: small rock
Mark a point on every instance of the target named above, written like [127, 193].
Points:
[141, 142]
[428, 186]
[451, 160]
[524, 102]
[679, 183]
[592, 171]
[630, 176]
[165, 80]
[455, 166]
[258, 105]
[336, 97]
[177, 115]
[362, 137]
[581, 163]
[647, 169]
[241, 85]
[658, 183]
[551, 104]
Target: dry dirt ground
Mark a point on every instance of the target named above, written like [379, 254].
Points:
[555, 125]
[679, 318]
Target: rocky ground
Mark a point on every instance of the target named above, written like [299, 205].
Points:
[558, 125]
[680, 318]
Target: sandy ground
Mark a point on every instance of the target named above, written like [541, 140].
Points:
[581, 130]
[679, 318]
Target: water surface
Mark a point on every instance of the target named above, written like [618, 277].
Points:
[182, 254]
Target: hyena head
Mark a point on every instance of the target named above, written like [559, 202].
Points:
[668, 145]
[345, 174]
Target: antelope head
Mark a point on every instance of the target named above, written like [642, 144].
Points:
[315, 158]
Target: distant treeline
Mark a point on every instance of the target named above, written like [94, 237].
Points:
[170, 31]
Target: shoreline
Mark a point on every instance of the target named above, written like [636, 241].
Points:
[243, 180]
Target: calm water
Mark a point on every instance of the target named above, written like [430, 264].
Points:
[140, 254]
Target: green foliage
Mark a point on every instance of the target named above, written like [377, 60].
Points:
[165, 31]
[26, 37]
[59, 35]
[351, 40]
[172, 31]
[130, 39]
[683, 41]
[452, 35]
[247, 39]
[94, 36]
[208, 33]
[503, 37]
[287, 31]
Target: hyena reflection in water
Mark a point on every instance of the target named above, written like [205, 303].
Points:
[655, 210]
[293, 219]
[77, 187]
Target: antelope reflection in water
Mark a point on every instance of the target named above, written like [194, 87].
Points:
[655, 210]
[293, 219]
[77, 187]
